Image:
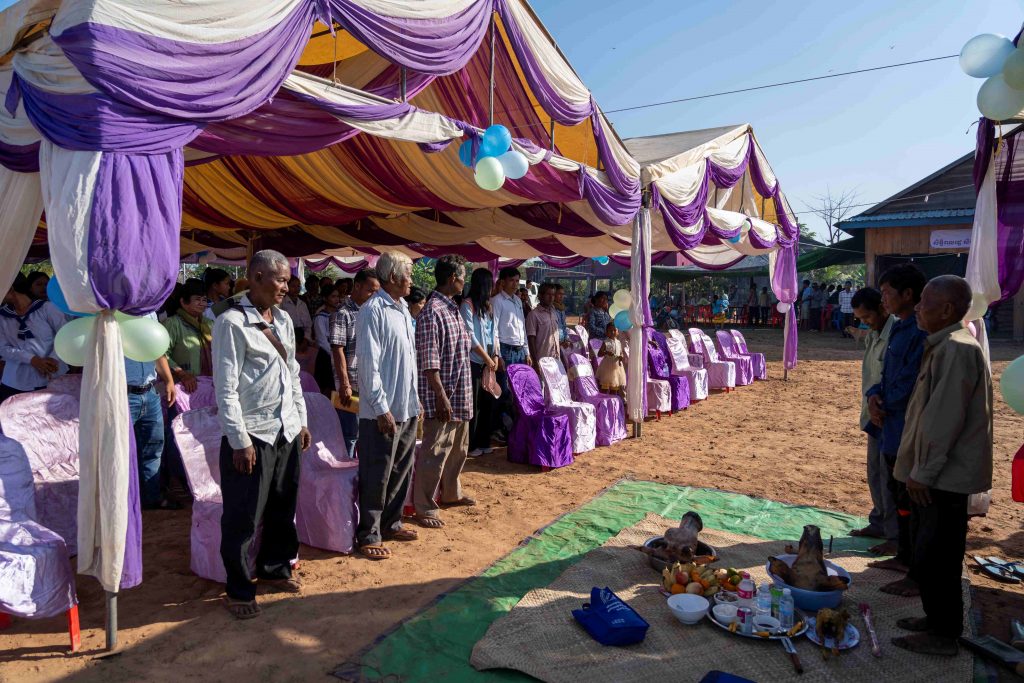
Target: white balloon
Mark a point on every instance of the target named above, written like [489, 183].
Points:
[515, 164]
[1013, 70]
[998, 101]
[979, 307]
[783, 307]
[622, 298]
[983, 56]
[489, 174]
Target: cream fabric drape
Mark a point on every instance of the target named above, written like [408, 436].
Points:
[636, 386]
[21, 205]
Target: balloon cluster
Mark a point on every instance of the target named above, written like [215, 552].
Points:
[143, 339]
[494, 161]
[996, 59]
[619, 310]
[601, 260]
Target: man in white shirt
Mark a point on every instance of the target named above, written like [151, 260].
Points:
[846, 306]
[297, 310]
[263, 415]
[510, 329]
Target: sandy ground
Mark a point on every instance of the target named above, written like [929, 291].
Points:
[794, 441]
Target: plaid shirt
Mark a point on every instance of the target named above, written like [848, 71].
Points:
[342, 332]
[442, 343]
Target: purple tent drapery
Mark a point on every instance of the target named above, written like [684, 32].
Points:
[349, 267]
[1009, 208]
[785, 287]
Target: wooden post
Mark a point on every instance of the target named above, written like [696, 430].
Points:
[405, 97]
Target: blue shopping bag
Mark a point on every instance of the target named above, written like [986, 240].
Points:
[609, 620]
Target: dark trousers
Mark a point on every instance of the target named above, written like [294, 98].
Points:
[267, 494]
[6, 392]
[510, 355]
[385, 472]
[940, 540]
[815, 323]
[349, 430]
[905, 540]
[482, 424]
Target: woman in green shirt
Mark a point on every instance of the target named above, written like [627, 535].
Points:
[191, 334]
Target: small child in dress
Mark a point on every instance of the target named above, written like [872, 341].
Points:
[611, 373]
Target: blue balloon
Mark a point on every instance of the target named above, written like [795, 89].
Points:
[736, 239]
[56, 296]
[603, 260]
[466, 153]
[496, 141]
[622, 321]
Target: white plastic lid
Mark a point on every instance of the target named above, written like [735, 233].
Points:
[786, 591]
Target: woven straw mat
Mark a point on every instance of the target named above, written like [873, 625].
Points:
[539, 636]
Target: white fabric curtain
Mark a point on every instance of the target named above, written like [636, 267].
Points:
[983, 260]
[21, 205]
[640, 269]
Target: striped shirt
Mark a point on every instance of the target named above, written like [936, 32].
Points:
[442, 343]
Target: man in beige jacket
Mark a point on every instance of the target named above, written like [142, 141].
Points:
[945, 455]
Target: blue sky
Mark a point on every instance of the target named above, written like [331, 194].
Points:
[874, 133]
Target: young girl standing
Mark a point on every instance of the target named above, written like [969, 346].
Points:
[611, 373]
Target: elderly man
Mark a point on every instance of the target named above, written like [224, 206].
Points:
[867, 306]
[445, 385]
[263, 416]
[510, 328]
[542, 326]
[342, 338]
[388, 407]
[296, 308]
[945, 455]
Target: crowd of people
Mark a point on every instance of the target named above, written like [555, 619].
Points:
[927, 412]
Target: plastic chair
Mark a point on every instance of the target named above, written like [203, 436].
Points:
[37, 578]
[203, 396]
[721, 374]
[326, 514]
[611, 411]
[582, 416]
[675, 351]
[46, 425]
[308, 382]
[760, 365]
[540, 435]
[659, 368]
[744, 366]
[659, 393]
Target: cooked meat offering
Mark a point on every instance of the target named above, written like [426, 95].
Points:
[679, 543]
[808, 571]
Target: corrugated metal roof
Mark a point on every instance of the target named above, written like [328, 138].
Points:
[654, 148]
[910, 215]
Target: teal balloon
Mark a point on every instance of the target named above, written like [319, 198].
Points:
[622, 321]
[1012, 385]
[603, 260]
[983, 56]
[144, 339]
[56, 297]
[1013, 70]
[489, 174]
[514, 164]
[736, 239]
[466, 153]
[998, 101]
[72, 341]
[496, 141]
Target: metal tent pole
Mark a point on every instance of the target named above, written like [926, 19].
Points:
[490, 120]
[111, 625]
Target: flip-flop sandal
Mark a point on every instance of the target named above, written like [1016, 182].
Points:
[282, 585]
[465, 501]
[375, 552]
[428, 522]
[1014, 568]
[241, 609]
[403, 535]
[994, 570]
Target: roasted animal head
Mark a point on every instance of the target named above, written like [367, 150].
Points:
[811, 543]
[681, 541]
[808, 570]
[830, 626]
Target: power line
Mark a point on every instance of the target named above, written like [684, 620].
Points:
[891, 199]
[776, 85]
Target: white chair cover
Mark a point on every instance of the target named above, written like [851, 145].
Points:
[721, 374]
[698, 377]
[696, 360]
[583, 421]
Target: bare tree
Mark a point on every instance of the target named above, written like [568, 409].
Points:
[832, 208]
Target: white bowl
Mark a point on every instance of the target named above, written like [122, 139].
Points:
[725, 613]
[766, 623]
[726, 598]
[688, 608]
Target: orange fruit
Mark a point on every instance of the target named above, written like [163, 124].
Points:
[677, 588]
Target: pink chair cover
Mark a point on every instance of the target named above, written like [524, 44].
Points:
[675, 352]
[659, 393]
[66, 384]
[540, 435]
[694, 360]
[35, 573]
[594, 350]
[744, 366]
[204, 395]
[760, 365]
[611, 411]
[327, 513]
[582, 416]
[721, 374]
[46, 425]
[659, 368]
[308, 382]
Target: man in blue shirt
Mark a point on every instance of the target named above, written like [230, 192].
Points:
[148, 424]
[901, 288]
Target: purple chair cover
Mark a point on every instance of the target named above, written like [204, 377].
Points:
[744, 366]
[46, 425]
[327, 514]
[35, 573]
[308, 382]
[659, 393]
[721, 374]
[657, 361]
[540, 436]
[582, 416]
[203, 397]
[611, 411]
[760, 365]
[595, 348]
[70, 384]
[678, 359]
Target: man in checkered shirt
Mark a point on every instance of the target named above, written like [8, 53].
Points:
[445, 391]
[846, 306]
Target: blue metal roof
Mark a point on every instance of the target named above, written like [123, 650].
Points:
[909, 219]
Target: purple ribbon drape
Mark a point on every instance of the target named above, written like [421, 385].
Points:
[785, 287]
[344, 266]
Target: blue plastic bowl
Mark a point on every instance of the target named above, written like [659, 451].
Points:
[811, 601]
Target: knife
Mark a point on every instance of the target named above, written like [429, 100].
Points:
[791, 649]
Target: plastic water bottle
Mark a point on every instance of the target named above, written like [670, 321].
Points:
[764, 601]
[745, 591]
[786, 609]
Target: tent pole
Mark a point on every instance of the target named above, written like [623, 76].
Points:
[111, 625]
[404, 86]
[552, 135]
[490, 120]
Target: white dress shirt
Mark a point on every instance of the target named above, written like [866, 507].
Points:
[299, 313]
[386, 359]
[41, 324]
[258, 393]
[509, 321]
[321, 329]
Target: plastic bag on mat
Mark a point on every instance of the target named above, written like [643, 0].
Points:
[977, 503]
[609, 620]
